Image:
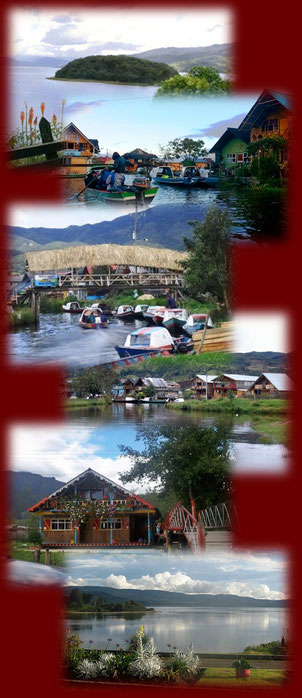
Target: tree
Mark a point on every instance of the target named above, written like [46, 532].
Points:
[199, 80]
[192, 461]
[93, 381]
[207, 267]
[35, 537]
[183, 147]
[75, 598]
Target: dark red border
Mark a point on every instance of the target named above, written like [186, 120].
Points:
[268, 39]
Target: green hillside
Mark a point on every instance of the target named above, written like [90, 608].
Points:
[120, 69]
[182, 59]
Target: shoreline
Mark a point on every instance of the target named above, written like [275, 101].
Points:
[106, 82]
[103, 613]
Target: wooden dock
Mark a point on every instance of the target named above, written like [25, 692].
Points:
[215, 339]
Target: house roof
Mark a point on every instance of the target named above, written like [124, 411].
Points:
[206, 378]
[77, 479]
[266, 103]
[92, 142]
[228, 135]
[279, 380]
[139, 154]
[238, 377]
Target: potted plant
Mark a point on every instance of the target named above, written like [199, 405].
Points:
[243, 668]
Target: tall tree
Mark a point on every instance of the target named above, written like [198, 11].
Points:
[188, 460]
[183, 147]
[207, 267]
[93, 381]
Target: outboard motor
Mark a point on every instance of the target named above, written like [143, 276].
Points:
[141, 181]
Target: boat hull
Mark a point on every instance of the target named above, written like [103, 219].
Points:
[125, 316]
[125, 352]
[174, 324]
[176, 182]
[94, 325]
[208, 182]
[124, 196]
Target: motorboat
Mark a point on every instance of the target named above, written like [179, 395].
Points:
[165, 175]
[147, 340]
[153, 311]
[106, 310]
[72, 307]
[139, 310]
[195, 322]
[124, 312]
[174, 319]
[139, 191]
[93, 319]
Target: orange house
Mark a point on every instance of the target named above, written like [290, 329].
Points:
[78, 150]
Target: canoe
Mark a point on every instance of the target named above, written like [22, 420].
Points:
[126, 195]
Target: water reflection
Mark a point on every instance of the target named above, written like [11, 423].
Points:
[219, 630]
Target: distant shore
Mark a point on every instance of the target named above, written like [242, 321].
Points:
[107, 82]
[102, 613]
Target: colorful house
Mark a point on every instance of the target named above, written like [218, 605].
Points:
[78, 150]
[91, 510]
[269, 116]
[272, 385]
[230, 150]
[235, 384]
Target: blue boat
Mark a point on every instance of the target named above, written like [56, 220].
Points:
[146, 340]
[165, 175]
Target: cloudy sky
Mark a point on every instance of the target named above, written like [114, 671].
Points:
[245, 574]
[72, 34]
[262, 331]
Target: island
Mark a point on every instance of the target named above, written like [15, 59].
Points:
[86, 601]
[116, 69]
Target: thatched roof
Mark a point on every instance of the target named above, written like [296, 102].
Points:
[105, 255]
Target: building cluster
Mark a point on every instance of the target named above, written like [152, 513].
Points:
[267, 385]
[132, 386]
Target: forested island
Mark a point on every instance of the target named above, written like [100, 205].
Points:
[89, 602]
[119, 69]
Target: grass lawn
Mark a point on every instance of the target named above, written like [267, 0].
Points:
[21, 551]
[179, 366]
[82, 402]
[258, 677]
[235, 406]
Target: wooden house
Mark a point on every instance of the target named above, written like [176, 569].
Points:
[78, 150]
[92, 510]
[202, 386]
[124, 387]
[269, 116]
[271, 385]
[139, 158]
[235, 384]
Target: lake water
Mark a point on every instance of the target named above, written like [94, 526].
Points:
[123, 117]
[210, 630]
[60, 338]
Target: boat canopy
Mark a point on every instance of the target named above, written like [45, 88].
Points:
[153, 337]
[163, 171]
[140, 308]
[124, 309]
[152, 309]
[97, 312]
[72, 305]
[175, 312]
[199, 317]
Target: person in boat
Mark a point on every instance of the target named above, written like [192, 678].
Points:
[171, 303]
[204, 173]
[119, 163]
[104, 320]
[89, 318]
[115, 181]
[102, 179]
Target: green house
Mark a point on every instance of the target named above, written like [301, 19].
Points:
[230, 150]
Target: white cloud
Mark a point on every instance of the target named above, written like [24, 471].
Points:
[61, 452]
[261, 331]
[180, 582]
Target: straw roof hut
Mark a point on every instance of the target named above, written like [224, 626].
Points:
[105, 255]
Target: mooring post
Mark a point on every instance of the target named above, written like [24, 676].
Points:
[35, 303]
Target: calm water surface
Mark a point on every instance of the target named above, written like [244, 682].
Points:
[210, 630]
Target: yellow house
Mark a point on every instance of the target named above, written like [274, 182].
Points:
[78, 151]
[269, 116]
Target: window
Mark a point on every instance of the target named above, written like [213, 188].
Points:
[97, 494]
[140, 339]
[270, 125]
[245, 157]
[106, 524]
[61, 525]
[231, 157]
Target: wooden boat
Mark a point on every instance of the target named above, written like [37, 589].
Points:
[99, 322]
[152, 312]
[196, 322]
[106, 310]
[174, 319]
[165, 175]
[146, 340]
[139, 310]
[124, 312]
[72, 307]
[125, 196]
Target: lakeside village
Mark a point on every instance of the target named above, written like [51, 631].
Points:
[255, 153]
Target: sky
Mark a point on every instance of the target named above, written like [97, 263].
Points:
[244, 574]
[262, 331]
[61, 33]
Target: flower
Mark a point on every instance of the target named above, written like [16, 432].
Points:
[54, 119]
[36, 121]
[22, 117]
[30, 116]
[42, 107]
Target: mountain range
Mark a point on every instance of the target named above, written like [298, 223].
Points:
[174, 598]
[182, 59]
[28, 488]
[164, 225]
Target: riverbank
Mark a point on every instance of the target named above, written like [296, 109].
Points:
[21, 317]
[103, 613]
[79, 403]
[106, 82]
[233, 406]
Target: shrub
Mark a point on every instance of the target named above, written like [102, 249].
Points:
[105, 664]
[184, 664]
[35, 537]
[86, 669]
[241, 663]
[147, 664]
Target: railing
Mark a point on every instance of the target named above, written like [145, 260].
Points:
[132, 279]
[219, 516]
